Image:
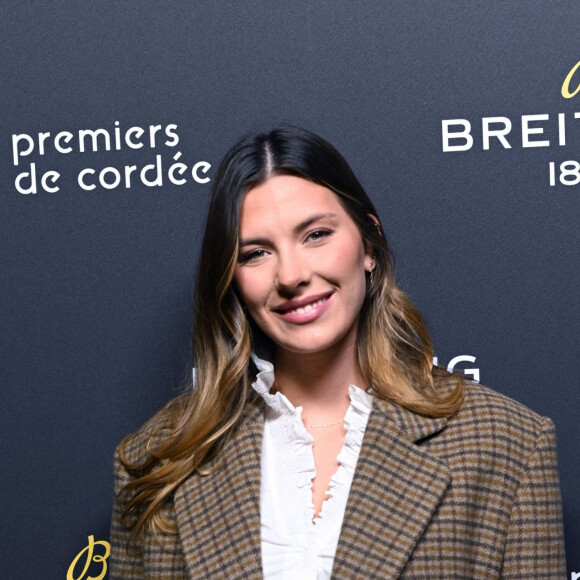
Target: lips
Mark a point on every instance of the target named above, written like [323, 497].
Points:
[303, 310]
[308, 307]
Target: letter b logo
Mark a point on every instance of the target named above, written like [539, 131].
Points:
[90, 557]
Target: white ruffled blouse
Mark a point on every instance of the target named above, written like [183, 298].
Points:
[294, 545]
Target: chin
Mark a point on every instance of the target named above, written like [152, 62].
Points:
[307, 347]
[303, 349]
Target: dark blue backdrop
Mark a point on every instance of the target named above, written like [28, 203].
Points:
[96, 284]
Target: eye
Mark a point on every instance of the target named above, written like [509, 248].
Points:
[319, 234]
[252, 255]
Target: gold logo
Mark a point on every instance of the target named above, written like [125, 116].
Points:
[566, 84]
[90, 557]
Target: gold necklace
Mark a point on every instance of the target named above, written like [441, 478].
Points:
[323, 425]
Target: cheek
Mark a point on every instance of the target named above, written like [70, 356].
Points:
[348, 260]
[251, 287]
[349, 267]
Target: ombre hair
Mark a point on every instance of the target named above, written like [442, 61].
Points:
[395, 353]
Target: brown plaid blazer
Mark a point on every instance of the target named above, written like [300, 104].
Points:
[474, 496]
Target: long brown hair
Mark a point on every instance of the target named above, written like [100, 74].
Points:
[395, 352]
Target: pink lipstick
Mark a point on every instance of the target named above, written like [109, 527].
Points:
[304, 310]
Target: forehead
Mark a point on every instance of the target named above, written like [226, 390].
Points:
[287, 200]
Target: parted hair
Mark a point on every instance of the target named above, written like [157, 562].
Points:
[395, 352]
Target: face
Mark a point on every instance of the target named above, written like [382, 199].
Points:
[301, 267]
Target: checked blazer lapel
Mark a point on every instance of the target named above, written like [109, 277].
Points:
[218, 516]
[395, 491]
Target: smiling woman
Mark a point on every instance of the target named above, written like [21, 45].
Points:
[302, 266]
[318, 440]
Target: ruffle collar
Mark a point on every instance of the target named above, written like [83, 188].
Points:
[289, 430]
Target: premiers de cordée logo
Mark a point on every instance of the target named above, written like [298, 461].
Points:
[167, 167]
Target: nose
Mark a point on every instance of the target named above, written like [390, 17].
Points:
[293, 271]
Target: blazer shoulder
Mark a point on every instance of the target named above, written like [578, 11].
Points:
[479, 398]
[489, 414]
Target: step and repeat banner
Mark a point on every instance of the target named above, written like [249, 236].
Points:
[461, 119]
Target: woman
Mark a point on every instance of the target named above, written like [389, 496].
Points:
[353, 458]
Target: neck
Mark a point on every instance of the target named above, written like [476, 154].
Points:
[319, 382]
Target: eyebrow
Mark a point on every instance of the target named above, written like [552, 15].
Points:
[296, 229]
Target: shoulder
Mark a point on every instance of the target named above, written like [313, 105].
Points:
[492, 425]
[484, 406]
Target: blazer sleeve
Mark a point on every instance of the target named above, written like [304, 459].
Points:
[535, 540]
[124, 563]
